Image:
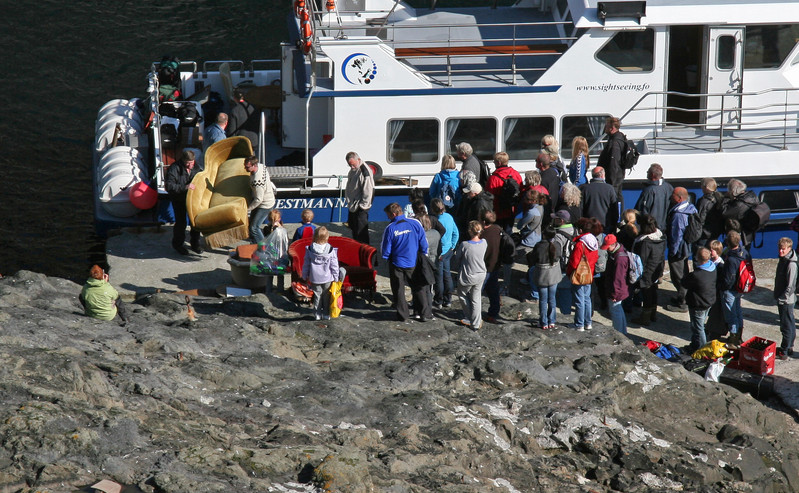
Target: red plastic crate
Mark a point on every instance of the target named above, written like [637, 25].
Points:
[757, 361]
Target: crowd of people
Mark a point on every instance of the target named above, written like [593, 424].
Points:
[582, 248]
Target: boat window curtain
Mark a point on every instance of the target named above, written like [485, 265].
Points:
[394, 129]
[509, 125]
[452, 127]
[597, 126]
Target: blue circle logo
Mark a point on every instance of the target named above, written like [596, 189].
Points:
[359, 69]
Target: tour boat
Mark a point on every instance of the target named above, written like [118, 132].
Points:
[704, 88]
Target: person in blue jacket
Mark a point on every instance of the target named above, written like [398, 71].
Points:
[403, 239]
[446, 185]
[679, 250]
[449, 241]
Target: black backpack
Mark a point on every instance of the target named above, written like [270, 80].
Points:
[507, 248]
[509, 196]
[756, 217]
[485, 173]
[169, 71]
[567, 249]
[630, 155]
[693, 232]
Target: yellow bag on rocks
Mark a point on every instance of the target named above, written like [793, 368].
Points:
[336, 300]
[712, 350]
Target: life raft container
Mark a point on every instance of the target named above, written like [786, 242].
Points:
[120, 118]
[119, 169]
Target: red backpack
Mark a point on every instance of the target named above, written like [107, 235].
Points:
[746, 276]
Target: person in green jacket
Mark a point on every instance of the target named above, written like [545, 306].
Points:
[99, 299]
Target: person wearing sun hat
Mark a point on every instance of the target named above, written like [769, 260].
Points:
[616, 281]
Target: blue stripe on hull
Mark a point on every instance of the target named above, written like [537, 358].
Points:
[444, 91]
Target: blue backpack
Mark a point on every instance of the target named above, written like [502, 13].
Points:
[447, 194]
[635, 268]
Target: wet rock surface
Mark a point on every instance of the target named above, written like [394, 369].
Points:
[251, 394]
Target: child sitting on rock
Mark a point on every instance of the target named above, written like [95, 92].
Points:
[320, 268]
[306, 229]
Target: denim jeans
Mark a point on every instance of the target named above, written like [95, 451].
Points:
[564, 295]
[444, 286]
[547, 308]
[618, 316]
[492, 290]
[698, 319]
[731, 304]
[582, 305]
[531, 280]
[787, 325]
[257, 218]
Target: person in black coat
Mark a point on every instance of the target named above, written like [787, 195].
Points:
[708, 210]
[651, 247]
[656, 196]
[700, 295]
[474, 204]
[735, 206]
[612, 155]
[178, 183]
[244, 120]
[550, 178]
[599, 200]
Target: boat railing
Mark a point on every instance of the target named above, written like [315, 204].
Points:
[717, 121]
[511, 42]
[244, 69]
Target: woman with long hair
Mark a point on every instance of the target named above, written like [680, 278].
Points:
[580, 161]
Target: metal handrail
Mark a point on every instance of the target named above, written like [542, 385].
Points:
[779, 118]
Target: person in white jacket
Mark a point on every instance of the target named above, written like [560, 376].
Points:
[263, 197]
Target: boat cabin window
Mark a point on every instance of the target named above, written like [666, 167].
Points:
[629, 51]
[592, 127]
[522, 135]
[768, 46]
[481, 133]
[781, 200]
[725, 52]
[413, 141]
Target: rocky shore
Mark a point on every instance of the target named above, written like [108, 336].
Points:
[251, 394]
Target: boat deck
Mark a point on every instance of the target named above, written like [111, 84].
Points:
[474, 46]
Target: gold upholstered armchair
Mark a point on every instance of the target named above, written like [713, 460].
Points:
[218, 204]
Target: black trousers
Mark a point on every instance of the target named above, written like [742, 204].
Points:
[181, 221]
[400, 277]
[358, 222]
[678, 269]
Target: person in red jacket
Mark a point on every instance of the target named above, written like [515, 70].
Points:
[503, 205]
[585, 245]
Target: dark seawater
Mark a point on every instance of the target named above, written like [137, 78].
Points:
[60, 62]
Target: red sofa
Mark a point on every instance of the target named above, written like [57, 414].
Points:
[356, 257]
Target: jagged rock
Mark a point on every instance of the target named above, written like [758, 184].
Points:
[252, 394]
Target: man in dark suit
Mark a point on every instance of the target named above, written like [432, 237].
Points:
[599, 200]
